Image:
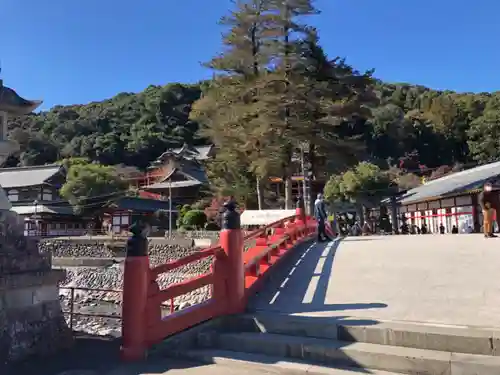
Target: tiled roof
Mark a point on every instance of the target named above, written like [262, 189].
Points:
[452, 184]
[14, 104]
[195, 152]
[27, 176]
[194, 171]
[43, 209]
[172, 185]
[142, 205]
[189, 152]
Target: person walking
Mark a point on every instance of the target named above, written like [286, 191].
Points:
[321, 217]
[488, 199]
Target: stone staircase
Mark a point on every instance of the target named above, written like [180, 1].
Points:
[282, 344]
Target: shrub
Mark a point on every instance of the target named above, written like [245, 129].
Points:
[194, 218]
[183, 210]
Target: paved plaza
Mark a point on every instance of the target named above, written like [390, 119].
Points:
[442, 279]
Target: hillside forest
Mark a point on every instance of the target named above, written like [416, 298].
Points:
[275, 90]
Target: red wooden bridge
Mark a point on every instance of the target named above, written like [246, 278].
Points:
[234, 277]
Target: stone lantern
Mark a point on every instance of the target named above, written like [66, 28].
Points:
[31, 319]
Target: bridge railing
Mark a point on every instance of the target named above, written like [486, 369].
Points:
[233, 276]
[271, 245]
[158, 328]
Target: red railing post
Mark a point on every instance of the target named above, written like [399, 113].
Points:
[136, 280]
[231, 267]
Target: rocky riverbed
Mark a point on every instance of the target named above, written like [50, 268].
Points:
[108, 303]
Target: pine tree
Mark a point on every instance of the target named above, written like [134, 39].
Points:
[276, 91]
[282, 92]
[228, 110]
[311, 97]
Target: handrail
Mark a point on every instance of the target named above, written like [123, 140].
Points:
[72, 313]
[184, 287]
[199, 255]
[211, 251]
[234, 275]
[270, 249]
[253, 260]
[259, 231]
[91, 289]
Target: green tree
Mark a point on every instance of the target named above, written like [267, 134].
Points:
[114, 131]
[230, 175]
[484, 137]
[278, 92]
[402, 179]
[364, 184]
[39, 150]
[88, 186]
[228, 110]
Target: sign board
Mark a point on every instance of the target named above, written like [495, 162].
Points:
[264, 217]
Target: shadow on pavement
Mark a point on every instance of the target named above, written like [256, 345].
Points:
[94, 355]
[357, 239]
[300, 285]
[88, 353]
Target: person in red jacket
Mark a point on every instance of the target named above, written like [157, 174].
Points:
[489, 201]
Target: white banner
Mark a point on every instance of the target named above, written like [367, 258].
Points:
[264, 217]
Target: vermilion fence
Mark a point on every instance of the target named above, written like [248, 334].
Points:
[233, 277]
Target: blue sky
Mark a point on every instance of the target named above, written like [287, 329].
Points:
[68, 52]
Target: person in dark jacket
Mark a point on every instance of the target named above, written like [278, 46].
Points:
[488, 199]
[442, 229]
[321, 216]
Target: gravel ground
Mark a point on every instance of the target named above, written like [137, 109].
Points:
[71, 249]
[109, 303]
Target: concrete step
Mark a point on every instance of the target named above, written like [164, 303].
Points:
[472, 340]
[360, 355]
[263, 364]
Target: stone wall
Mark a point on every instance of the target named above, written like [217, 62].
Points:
[198, 234]
[31, 320]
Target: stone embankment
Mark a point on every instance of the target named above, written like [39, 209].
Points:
[111, 278]
[199, 234]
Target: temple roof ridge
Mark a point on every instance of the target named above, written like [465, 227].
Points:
[15, 105]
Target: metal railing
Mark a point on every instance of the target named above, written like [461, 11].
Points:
[72, 313]
[75, 233]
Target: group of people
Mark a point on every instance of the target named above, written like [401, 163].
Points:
[488, 199]
[423, 229]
